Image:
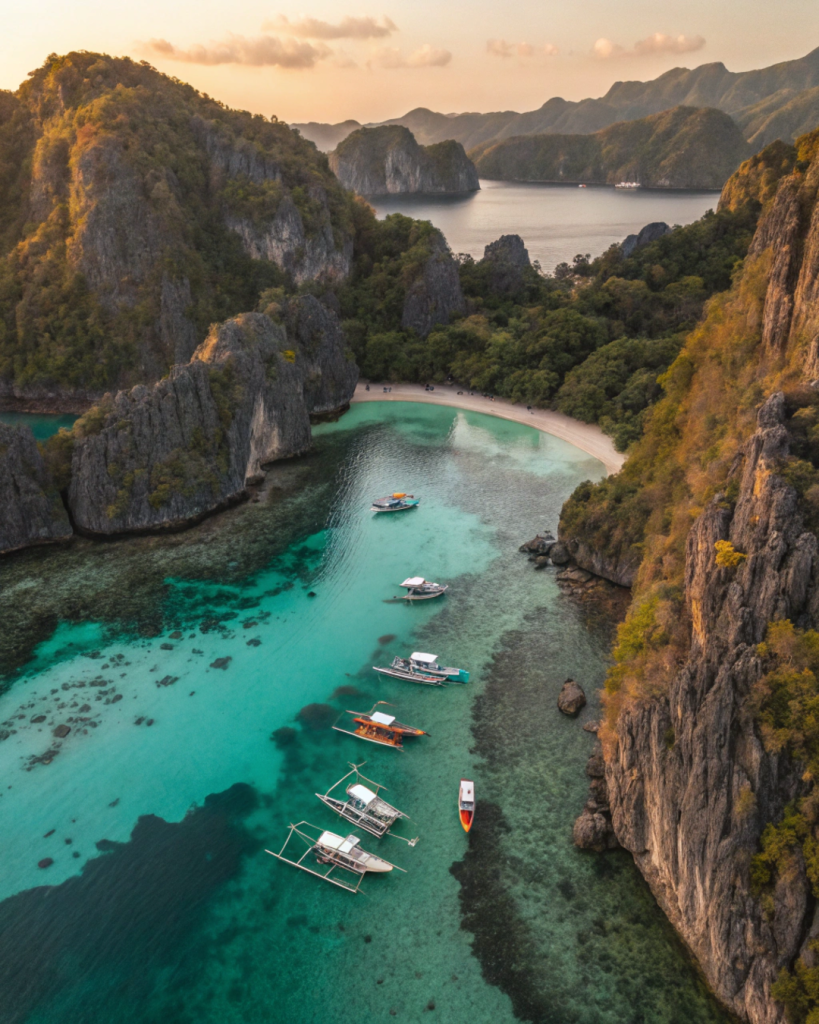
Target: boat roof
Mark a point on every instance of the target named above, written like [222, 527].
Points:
[467, 789]
[420, 656]
[413, 581]
[334, 842]
[381, 718]
[366, 796]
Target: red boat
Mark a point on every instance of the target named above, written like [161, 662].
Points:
[466, 803]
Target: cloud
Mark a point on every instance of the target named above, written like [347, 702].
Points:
[263, 51]
[604, 48]
[661, 43]
[426, 57]
[347, 28]
[500, 48]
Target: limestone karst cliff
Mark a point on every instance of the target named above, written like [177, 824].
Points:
[708, 748]
[434, 294]
[388, 160]
[31, 511]
[166, 454]
[135, 212]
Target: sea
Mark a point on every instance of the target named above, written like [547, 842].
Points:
[556, 222]
[167, 707]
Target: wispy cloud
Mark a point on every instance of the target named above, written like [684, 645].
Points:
[347, 28]
[500, 48]
[604, 49]
[426, 57]
[263, 51]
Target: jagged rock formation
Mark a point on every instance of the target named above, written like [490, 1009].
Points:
[593, 829]
[618, 567]
[679, 764]
[507, 261]
[388, 160]
[686, 147]
[126, 196]
[650, 233]
[435, 294]
[31, 511]
[167, 454]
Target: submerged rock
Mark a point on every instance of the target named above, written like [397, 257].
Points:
[31, 510]
[571, 698]
[168, 454]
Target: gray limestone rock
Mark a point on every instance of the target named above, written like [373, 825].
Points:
[571, 698]
[168, 454]
[507, 261]
[650, 233]
[435, 294]
[31, 510]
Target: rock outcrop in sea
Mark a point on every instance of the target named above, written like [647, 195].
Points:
[167, 454]
[31, 511]
[387, 160]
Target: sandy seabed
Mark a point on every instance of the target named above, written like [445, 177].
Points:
[585, 436]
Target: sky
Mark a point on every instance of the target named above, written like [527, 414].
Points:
[329, 60]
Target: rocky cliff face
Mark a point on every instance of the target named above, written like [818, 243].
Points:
[168, 454]
[678, 766]
[387, 160]
[435, 294]
[618, 567]
[31, 511]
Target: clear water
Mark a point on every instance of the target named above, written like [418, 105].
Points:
[555, 221]
[161, 904]
[42, 425]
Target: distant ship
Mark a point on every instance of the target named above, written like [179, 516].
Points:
[628, 184]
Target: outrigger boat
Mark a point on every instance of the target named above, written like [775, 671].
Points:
[338, 853]
[395, 503]
[376, 727]
[419, 589]
[423, 668]
[365, 807]
[466, 803]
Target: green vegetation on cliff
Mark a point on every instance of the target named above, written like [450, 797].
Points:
[686, 147]
[134, 212]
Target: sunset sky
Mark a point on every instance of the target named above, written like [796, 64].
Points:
[328, 61]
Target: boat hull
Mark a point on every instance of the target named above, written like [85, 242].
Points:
[410, 677]
[424, 597]
[398, 508]
[467, 817]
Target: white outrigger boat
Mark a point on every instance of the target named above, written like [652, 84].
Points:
[365, 807]
[423, 668]
[419, 589]
[397, 502]
[337, 853]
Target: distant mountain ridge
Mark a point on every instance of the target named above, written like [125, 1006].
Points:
[686, 147]
[780, 101]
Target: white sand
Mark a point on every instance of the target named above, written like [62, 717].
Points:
[585, 436]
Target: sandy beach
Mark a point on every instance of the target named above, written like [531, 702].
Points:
[585, 436]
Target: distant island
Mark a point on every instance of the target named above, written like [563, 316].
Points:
[681, 148]
[388, 160]
[778, 102]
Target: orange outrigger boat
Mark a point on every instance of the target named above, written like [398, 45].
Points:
[466, 803]
[376, 727]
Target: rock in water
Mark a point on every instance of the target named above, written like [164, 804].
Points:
[539, 545]
[31, 510]
[650, 233]
[167, 454]
[435, 293]
[591, 831]
[571, 698]
[387, 160]
[560, 554]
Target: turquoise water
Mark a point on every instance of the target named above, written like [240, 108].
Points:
[555, 221]
[42, 426]
[161, 904]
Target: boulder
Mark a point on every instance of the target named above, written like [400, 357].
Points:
[571, 698]
[560, 554]
[591, 831]
[541, 544]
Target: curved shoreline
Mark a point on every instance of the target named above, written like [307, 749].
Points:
[585, 436]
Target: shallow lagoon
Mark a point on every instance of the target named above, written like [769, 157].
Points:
[164, 907]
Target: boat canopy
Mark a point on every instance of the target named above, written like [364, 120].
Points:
[331, 840]
[382, 719]
[427, 659]
[413, 581]
[467, 790]
[401, 494]
[366, 796]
